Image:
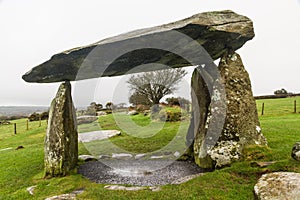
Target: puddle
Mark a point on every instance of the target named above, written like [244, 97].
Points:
[131, 172]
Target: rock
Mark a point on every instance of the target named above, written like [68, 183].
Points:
[278, 186]
[101, 113]
[231, 122]
[296, 151]
[112, 133]
[157, 157]
[61, 142]
[86, 119]
[139, 156]
[121, 155]
[6, 149]
[87, 158]
[132, 112]
[97, 135]
[119, 187]
[31, 189]
[70, 196]
[176, 154]
[155, 188]
[214, 31]
[262, 164]
[186, 179]
[19, 147]
[104, 157]
[63, 197]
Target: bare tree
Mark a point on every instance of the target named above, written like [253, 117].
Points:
[153, 86]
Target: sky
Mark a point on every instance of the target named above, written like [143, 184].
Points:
[31, 31]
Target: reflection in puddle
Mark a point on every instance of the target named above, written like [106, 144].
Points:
[131, 172]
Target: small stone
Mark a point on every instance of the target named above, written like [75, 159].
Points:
[139, 156]
[87, 158]
[155, 188]
[31, 189]
[176, 154]
[132, 112]
[86, 119]
[104, 157]
[157, 157]
[19, 147]
[9, 148]
[262, 164]
[296, 151]
[186, 179]
[78, 191]
[278, 186]
[101, 113]
[119, 187]
[62, 197]
[121, 155]
[113, 133]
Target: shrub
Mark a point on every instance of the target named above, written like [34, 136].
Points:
[170, 114]
[37, 116]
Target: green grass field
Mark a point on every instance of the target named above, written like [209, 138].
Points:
[24, 168]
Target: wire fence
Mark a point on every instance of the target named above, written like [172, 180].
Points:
[20, 125]
[275, 107]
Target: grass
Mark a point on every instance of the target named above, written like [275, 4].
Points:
[278, 107]
[24, 168]
[138, 135]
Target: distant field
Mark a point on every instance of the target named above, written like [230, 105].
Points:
[24, 168]
[276, 107]
[21, 110]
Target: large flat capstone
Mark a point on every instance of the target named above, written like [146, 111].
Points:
[173, 45]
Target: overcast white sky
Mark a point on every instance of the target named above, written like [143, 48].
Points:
[31, 31]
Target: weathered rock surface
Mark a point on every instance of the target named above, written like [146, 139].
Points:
[62, 197]
[86, 119]
[61, 142]
[231, 122]
[97, 135]
[296, 151]
[166, 44]
[30, 190]
[87, 158]
[278, 186]
[121, 155]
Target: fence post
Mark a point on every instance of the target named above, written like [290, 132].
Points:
[295, 106]
[15, 128]
[263, 109]
[27, 126]
[40, 119]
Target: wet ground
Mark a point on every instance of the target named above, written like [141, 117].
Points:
[138, 172]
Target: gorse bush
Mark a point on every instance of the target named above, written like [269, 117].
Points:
[171, 114]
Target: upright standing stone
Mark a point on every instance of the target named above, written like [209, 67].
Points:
[233, 108]
[61, 142]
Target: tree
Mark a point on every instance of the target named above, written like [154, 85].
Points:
[153, 86]
[179, 101]
[282, 91]
[109, 105]
[138, 99]
[93, 108]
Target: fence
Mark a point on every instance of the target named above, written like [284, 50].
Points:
[21, 125]
[273, 107]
